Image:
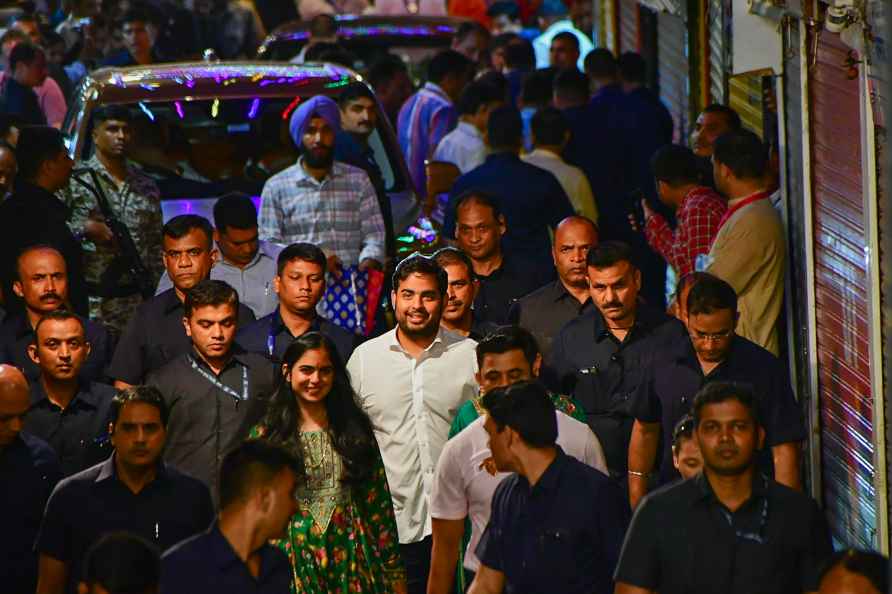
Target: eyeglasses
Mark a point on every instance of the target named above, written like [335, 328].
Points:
[714, 337]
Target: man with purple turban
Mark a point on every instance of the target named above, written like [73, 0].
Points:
[322, 201]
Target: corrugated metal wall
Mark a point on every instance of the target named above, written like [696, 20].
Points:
[628, 26]
[717, 45]
[745, 97]
[674, 71]
[842, 291]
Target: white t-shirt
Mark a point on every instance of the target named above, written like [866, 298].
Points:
[463, 489]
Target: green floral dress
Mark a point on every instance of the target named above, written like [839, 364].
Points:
[342, 539]
[471, 410]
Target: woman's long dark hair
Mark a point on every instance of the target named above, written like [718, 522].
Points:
[349, 427]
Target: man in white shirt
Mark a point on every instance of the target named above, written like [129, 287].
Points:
[411, 382]
[551, 133]
[466, 478]
[465, 146]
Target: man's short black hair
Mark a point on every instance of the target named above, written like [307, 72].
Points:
[466, 28]
[568, 37]
[235, 210]
[527, 408]
[731, 116]
[181, 225]
[253, 464]
[323, 25]
[508, 338]
[550, 127]
[609, 253]
[632, 67]
[301, 251]
[122, 563]
[418, 263]
[385, 69]
[105, 113]
[446, 63]
[209, 293]
[871, 565]
[446, 256]
[138, 14]
[711, 294]
[684, 429]
[326, 51]
[676, 165]
[474, 196]
[600, 63]
[571, 85]
[476, 95]
[520, 55]
[36, 146]
[718, 392]
[353, 91]
[538, 87]
[24, 52]
[504, 128]
[691, 278]
[743, 152]
[144, 394]
[57, 315]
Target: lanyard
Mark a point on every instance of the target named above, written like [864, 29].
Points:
[217, 384]
[745, 202]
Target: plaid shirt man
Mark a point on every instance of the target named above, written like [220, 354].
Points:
[698, 219]
[340, 214]
[424, 120]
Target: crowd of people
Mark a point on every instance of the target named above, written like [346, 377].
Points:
[582, 391]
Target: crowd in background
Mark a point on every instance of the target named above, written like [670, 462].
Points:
[582, 390]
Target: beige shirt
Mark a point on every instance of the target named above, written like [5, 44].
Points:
[749, 253]
[571, 178]
[411, 403]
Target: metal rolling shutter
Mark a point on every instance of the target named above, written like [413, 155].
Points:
[842, 293]
[628, 26]
[674, 71]
[745, 97]
[717, 45]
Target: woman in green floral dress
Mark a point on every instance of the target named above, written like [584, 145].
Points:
[343, 538]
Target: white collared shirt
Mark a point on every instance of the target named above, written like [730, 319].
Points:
[571, 178]
[411, 403]
[464, 147]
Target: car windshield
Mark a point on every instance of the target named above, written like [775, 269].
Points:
[205, 148]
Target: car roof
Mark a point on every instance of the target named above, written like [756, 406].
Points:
[407, 30]
[201, 80]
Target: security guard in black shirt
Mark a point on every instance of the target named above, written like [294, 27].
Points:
[599, 358]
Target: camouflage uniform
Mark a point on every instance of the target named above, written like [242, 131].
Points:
[137, 204]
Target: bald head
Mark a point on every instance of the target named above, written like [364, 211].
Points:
[573, 238]
[14, 403]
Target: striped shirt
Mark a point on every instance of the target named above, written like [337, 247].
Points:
[340, 214]
[424, 120]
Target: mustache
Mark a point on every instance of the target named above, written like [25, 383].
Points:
[613, 304]
[50, 296]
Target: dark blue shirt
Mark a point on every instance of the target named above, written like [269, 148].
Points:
[683, 540]
[602, 373]
[208, 563]
[563, 534]
[79, 433]
[154, 336]
[531, 199]
[675, 377]
[87, 505]
[271, 331]
[499, 290]
[546, 310]
[21, 101]
[16, 334]
[29, 469]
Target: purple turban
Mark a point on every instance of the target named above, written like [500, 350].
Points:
[319, 105]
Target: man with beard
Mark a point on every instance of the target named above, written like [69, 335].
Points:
[546, 310]
[321, 201]
[729, 529]
[410, 381]
[42, 285]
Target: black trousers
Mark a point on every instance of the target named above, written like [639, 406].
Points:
[417, 557]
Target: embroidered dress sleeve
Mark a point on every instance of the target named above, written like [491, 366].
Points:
[376, 505]
[569, 406]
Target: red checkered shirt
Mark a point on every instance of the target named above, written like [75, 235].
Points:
[698, 219]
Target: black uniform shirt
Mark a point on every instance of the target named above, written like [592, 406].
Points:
[546, 310]
[682, 540]
[154, 336]
[270, 336]
[503, 286]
